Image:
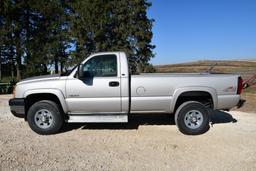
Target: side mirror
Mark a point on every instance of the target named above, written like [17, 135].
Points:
[80, 72]
[83, 74]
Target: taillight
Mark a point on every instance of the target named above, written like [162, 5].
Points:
[240, 85]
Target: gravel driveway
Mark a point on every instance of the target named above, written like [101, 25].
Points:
[148, 142]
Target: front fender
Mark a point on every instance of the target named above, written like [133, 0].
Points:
[56, 92]
[181, 90]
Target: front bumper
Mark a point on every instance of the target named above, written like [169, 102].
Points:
[17, 106]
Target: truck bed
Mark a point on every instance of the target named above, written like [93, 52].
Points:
[158, 89]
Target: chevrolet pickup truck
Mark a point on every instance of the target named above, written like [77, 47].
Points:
[101, 89]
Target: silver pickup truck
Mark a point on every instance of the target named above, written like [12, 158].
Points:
[100, 89]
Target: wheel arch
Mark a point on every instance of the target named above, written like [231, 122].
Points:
[32, 96]
[191, 93]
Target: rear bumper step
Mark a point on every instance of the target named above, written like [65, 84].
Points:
[240, 103]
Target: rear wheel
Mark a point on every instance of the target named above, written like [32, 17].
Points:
[192, 118]
[44, 117]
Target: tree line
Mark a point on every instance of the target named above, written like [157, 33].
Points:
[38, 36]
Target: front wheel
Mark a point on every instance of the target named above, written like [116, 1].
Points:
[44, 117]
[192, 118]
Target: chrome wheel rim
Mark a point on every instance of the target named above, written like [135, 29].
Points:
[43, 118]
[193, 119]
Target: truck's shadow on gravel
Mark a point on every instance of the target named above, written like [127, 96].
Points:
[219, 117]
[135, 120]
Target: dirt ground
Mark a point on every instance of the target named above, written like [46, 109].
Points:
[148, 142]
[250, 103]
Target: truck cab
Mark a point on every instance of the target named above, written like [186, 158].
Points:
[102, 80]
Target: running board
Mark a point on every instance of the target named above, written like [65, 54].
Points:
[98, 118]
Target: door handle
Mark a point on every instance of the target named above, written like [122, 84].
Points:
[113, 84]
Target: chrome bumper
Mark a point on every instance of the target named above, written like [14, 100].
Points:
[17, 106]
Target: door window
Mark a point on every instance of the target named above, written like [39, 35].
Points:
[101, 66]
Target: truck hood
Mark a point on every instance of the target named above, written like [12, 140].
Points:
[40, 78]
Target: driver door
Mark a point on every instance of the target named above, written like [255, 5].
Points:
[99, 89]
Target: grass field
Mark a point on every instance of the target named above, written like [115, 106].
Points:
[243, 67]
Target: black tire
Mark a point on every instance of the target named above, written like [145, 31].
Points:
[55, 117]
[192, 118]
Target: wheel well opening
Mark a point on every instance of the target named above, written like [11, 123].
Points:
[33, 98]
[200, 96]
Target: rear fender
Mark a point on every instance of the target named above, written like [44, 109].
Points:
[179, 91]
